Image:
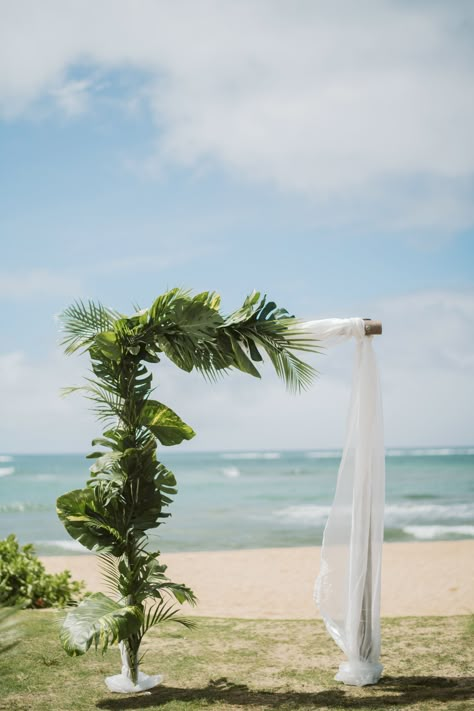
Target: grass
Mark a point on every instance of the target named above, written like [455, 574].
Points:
[244, 664]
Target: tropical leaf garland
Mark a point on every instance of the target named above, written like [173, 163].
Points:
[129, 490]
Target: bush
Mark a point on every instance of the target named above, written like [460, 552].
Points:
[24, 581]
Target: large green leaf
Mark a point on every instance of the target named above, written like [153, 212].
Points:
[165, 424]
[107, 343]
[100, 621]
[104, 461]
[155, 493]
[91, 521]
[241, 359]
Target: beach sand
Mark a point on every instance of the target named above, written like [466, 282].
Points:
[435, 578]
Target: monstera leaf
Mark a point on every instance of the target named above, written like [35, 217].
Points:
[165, 424]
[100, 621]
[90, 520]
[155, 495]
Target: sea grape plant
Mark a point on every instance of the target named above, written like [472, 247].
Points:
[24, 581]
[129, 490]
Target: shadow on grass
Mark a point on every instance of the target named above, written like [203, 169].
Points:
[391, 691]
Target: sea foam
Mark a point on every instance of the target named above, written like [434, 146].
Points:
[433, 513]
[431, 452]
[231, 472]
[250, 455]
[396, 515]
[306, 514]
[324, 454]
[430, 533]
[21, 506]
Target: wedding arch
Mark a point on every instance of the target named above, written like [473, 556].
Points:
[129, 489]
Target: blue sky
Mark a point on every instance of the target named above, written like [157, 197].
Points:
[321, 153]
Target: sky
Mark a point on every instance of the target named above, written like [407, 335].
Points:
[319, 152]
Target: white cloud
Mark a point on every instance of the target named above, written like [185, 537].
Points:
[37, 283]
[41, 283]
[167, 258]
[73, 97]
[34, 416]
[336, 101]
[427, 362]
[425, 354]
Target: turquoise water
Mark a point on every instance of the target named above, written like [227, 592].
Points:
[251, 499]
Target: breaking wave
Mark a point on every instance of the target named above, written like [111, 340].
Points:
[306, 514]
[431, 452]
[400, 452]
[231, 472]
[427, 513]
[430, 533]
[250, 455]
[21, 506]
[396, 515]
[324, 454]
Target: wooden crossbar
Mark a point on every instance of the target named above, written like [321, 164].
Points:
[372, 328]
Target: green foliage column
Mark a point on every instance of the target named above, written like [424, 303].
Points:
[129, 490]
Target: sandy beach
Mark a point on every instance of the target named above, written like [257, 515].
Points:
[277, 583]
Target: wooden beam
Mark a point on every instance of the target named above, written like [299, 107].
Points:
[372, 328]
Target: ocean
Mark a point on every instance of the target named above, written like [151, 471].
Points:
[231, 500]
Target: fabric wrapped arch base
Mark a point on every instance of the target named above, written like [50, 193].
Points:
[356, 673]
[123, 684]
[347, 590]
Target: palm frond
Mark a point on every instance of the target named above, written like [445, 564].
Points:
[108, 405]
[259, 323]
[296, 374]
[163, 304]
[109, 570]
[82, 321]
[155, 587]
[189, 351]
[279, 340]
[162, 612]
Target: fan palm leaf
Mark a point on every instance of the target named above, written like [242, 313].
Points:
[82, 321]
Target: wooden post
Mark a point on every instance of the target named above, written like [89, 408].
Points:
[372, 328]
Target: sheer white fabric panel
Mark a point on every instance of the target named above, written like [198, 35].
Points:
[348, 586]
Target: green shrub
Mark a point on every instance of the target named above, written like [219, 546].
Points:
[24, 581]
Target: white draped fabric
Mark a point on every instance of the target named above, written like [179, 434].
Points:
[348, 586]
[123, 684]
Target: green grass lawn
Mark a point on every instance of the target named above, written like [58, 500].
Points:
[244, 664]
